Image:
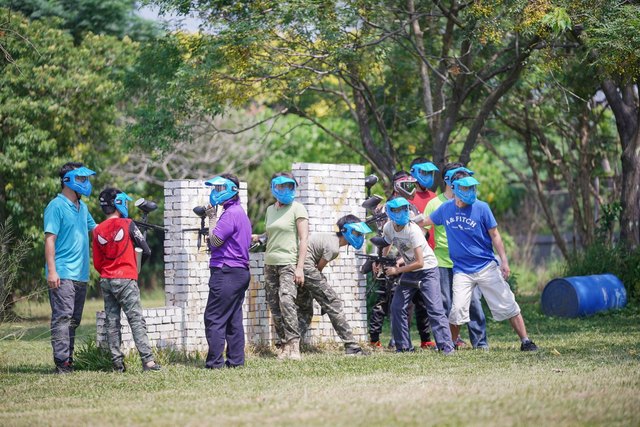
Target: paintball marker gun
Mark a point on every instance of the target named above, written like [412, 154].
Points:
[147, 206]
[262, 240]
[203, 232]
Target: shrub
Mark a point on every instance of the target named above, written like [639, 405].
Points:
[602, 258]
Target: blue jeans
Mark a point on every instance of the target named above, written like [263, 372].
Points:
[429, 290]
[478, 324]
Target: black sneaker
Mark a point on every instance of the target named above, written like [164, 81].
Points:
[528, 346]
[154, 367]
[65, 368]
[354, 351]
[119, 367]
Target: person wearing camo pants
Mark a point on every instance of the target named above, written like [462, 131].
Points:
[322, 249]
[287, 229]
[114, 257]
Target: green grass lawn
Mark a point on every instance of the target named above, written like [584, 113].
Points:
[587, 373]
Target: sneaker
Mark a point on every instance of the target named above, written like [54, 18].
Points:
[119, 367]
[528, 346]
[405, 350]
[460, 343]
[154, 367]
[482, 348]
[430, 345]
[354, 351]
[449, 352]
[65, 368]
[377, 345]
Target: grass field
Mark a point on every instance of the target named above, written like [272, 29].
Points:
[587, 373]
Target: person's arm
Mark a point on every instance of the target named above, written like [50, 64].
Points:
[496, 239]
[322, 264]
[53, 280]
[417, 264]
[302, 225]
[139, 241]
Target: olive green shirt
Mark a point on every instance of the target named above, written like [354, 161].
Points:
[282, 232]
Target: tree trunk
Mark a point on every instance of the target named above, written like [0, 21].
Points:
[624, 103]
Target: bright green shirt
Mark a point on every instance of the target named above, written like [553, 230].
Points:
[442, 245]
[282, 232]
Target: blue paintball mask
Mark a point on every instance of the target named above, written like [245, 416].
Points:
[283, 189]
[398, 210]
[469, 195]
[120, 203]
[354, 232]
[222, 190]
[423, 173]
[449, 174]
[78, 180]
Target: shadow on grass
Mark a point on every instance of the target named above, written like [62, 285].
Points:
[29, 369]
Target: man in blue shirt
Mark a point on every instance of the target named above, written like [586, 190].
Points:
[472, 233]
[67, 223]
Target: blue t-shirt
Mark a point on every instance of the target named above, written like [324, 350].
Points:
[71, 225]
[467, 229]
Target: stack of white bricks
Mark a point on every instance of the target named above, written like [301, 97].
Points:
[328, 191]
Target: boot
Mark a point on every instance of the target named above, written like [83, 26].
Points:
[294, 349]
[284, 352]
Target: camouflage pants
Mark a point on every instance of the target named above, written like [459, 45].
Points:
[282, 292]
[124, 294]
[316, 287]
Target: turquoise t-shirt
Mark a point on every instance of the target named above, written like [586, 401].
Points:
[470, 245]
[71, 226]
[282, 232]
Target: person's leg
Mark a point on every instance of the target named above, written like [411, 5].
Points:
[432, 298]
[80, 294]
[400, 324]
[422, 320]
[217, 314]
[477, 322]
[62, 300]
[502, 302]
[239, 282]
[288, 293]
[446, 282]
[129, 299]
[462, 289]
[316, 284]
[304, 302]
[112, 322]
[378, 311]
[272, 291]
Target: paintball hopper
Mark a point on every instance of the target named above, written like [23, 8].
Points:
[146, 206]
[370, 181]
[371, 202]
[379, 242]
[201, 211]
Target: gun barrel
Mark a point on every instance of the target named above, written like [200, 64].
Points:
[151, 226]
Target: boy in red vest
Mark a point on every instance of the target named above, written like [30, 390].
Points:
[114, 257]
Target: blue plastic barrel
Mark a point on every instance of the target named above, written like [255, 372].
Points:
[583, 295]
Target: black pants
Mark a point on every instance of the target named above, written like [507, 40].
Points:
[381, 308]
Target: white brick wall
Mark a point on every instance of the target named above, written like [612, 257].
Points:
[328, 191]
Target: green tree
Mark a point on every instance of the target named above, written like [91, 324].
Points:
[414, 77]
[109, 17]
[58, 102]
